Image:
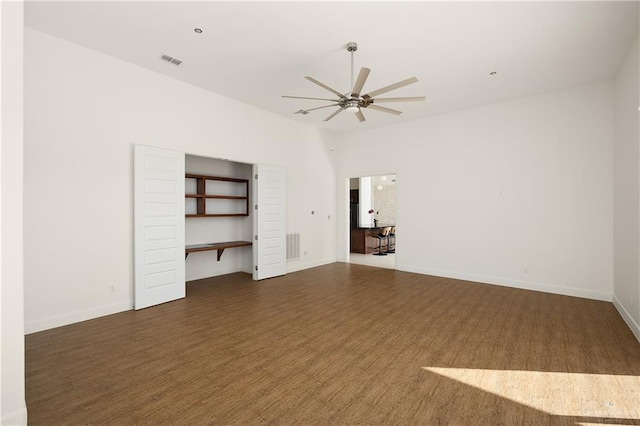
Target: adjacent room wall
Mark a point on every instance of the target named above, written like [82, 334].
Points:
[626, 287]
[517, 193]
[13, 408]
[384, 203]
[83, 113]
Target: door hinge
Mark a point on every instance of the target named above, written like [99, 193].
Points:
[256, 267]
[256, 177]
[256, 207]
[256, 238]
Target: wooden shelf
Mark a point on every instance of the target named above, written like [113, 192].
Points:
[215, 215]
[220, 247]
[232, 189]
[224, 197]
[220, 178]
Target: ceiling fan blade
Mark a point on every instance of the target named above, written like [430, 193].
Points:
[392, 87]
[325, 106]
[362, 78]
[383, 109]
[324, 86]
[360, 116]
[403, 99]
[334, 114]
[315, 99]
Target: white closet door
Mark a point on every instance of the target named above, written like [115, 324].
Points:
[158, 226]
[269, 193]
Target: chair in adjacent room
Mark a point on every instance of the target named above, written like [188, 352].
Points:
[391, 240]
[383, 235]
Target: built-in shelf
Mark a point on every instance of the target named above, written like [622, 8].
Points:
[216, 196]
[215, 246]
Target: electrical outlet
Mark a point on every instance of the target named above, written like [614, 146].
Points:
[525, 270]
[112, 288]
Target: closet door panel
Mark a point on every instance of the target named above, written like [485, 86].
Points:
[270, 224]
[158, 226]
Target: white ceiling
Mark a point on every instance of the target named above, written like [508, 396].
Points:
[257, 51]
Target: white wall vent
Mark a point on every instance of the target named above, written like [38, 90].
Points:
[171, 59]
[293, 246]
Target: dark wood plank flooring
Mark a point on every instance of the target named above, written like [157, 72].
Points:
[339, 344]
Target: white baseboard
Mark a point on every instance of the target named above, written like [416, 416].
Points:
[524, 285]
[17, 418]
[100, 311]
[626, 316]
[77, 316]
[294, 266]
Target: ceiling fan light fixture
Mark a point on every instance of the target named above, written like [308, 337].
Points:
[352, 106]
[354, 101]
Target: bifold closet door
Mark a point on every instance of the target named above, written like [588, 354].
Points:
[269, 195]
[158, 226]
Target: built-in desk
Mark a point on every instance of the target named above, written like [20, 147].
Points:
[365, 241]
[214, 246]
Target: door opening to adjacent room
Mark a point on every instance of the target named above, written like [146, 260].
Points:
[372, 220]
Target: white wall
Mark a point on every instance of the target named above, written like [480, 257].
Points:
[384, 203]
[626, 288]
[13, 408]
[83, 113]
[517, 193]
[216, 229]
[365, 203]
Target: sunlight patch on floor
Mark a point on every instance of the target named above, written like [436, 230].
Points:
[557, 393]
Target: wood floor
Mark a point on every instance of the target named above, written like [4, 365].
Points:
[341, 344]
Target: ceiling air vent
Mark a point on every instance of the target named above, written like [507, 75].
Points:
[171, 59]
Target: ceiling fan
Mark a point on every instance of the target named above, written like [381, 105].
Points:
[353, 101]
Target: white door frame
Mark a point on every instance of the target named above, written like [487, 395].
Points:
[347, 196]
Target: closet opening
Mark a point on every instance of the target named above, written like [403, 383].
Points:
[198, 217]
[218, 217]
